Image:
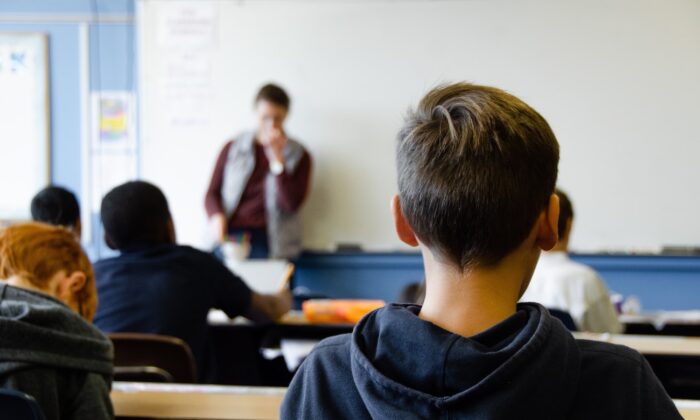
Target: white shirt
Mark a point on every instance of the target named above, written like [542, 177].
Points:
[561, 283]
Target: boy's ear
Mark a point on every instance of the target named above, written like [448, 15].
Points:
[548, 230]
[403, 229]
[76, 281]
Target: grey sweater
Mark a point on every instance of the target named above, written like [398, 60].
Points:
[283, 228]
[48, 351]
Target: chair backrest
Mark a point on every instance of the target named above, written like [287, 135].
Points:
[15, 405]
[565, 318]
[152, 358]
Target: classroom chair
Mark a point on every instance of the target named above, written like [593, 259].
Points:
[15, 405]
[152, 358]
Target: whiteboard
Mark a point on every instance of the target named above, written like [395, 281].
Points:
[24, 122]
[617, 80]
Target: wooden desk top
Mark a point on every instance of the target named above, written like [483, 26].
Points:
[690, 409]
[180, 401]
[650, 344]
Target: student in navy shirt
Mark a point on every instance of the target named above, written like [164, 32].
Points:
[476, 172]
[156, 286]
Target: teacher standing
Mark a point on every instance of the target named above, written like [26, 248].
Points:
[260, 181]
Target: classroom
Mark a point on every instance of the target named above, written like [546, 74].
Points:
[304, 209]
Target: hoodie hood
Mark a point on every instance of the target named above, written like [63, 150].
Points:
[528, 363]
[36, 329]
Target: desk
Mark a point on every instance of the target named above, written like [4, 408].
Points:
[650, 345]
[179, 401]
[661, 318]
[690, 409]
[681, 323]
[292, 325]
[236, 345]
[295, 324]
[176, 401]
[675, 360]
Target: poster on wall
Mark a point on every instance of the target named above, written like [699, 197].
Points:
[113, 117]
[24, 121]
[113, 153]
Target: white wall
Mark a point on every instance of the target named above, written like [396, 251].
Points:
[617, 80]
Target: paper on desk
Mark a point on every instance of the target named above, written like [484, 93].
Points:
[661, 318]
[217, 316]
[263, 276]
[295, 351]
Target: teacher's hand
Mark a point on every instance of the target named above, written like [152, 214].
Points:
[275, 141]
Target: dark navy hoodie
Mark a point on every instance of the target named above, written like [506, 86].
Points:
[396, 366]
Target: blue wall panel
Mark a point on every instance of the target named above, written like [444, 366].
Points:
[67, 7]
[358, 276]
[660, 282]
[112, 57]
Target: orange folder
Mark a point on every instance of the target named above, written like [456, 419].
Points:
[338, 311]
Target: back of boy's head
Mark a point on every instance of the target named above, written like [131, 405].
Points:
[37, 251]
[56, 206]
[135, 214]
[566, 212]
[476, 167]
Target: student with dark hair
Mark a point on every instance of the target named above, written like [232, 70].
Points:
[48, 348]
[561, 283]
[476, 172]
[156, 286]
[412, 293]
[260, 181]
[57, 206]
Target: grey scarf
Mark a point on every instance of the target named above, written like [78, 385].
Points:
[283, 228]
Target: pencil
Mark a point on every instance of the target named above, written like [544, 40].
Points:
[287, 276]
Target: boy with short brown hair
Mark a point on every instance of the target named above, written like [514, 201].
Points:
[477, 168]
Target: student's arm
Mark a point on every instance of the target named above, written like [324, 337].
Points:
[600, 315]
[275, 305]
[293, 187]
[235, 298]
[264, 307]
